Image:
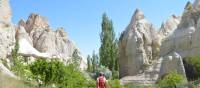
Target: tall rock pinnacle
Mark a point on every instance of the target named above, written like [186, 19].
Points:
[5, 11]
[138, 45]
[138, 15]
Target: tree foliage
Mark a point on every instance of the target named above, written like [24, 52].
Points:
[114, 84]
[108, 50]
[93, 62]
[89, 64]
[76, 59]
[14, 53]
[18, 60]
[55, 72]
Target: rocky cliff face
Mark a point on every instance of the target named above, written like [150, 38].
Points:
[138, 45]
[45, 40]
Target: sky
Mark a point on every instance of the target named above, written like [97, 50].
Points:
[82, 18]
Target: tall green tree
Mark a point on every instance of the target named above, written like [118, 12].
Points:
[89, 64]
[95, 59]
[15, 53]
[109, 49]
[76, 59]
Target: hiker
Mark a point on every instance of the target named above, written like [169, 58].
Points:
[101, 81]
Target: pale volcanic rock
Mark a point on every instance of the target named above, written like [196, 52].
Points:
[138, 45]
[169, 26]
[5, 11]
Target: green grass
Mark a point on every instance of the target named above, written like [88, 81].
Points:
[8, 82]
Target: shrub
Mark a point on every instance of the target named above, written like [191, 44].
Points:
[48, 72]
[114, 84]
[91, 84]
[18, 61]
[19, 66]
[74, 78]
[171, 80]
[63, 76]
[115, 75]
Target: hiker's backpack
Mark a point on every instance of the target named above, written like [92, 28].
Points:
[101, 82]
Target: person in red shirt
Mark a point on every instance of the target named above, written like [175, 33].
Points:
[101, 81]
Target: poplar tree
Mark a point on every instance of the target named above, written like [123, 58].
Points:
[109, 49]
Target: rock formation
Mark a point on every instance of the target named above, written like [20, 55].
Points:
[184, 39]
[172, 62]
[169, 26]
[37, 39]
[25, 47]
[44, 39]
[138, 45]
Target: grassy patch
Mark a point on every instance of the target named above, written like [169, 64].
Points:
[8, 82]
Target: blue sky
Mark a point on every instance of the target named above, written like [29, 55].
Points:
[82, 18]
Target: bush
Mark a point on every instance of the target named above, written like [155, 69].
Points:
[63, 76]
[115, 75]
[74, 78]
[171, 80]
[114, 84]
[91, 84]
[17, 66]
